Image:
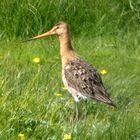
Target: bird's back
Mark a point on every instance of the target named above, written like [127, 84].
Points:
[83, 78]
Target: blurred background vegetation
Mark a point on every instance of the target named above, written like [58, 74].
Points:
[20, 18]
[104, 32]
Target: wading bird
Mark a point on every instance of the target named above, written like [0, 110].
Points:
[80, 78]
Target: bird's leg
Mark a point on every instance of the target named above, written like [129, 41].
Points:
[86, 107]
[76, 111]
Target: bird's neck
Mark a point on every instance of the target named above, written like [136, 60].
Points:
[66, 50]
[65, 45]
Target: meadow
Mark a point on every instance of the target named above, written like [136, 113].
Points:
[34, 105]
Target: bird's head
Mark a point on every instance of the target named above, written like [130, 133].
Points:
[59, 29]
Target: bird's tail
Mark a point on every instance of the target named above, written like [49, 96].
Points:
[105, 99]
[112, 104]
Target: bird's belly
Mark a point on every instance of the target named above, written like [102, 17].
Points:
[76, 94]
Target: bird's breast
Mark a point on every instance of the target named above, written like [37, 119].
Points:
[76, 94]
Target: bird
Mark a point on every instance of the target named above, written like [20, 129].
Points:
[79, 77]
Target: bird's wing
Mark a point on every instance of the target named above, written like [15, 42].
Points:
[85, 79]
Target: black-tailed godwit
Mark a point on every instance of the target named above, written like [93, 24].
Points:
[80, 78]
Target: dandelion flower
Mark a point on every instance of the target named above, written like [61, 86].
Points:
[103, 72]
[58, 94]
[67, 137]
[21, 136]
[36, 60]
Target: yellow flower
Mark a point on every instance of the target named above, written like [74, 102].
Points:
[21, 136]
[67, 137]
[103, 72]
[36, 60]
[58, 94]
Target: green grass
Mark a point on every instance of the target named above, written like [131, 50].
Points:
[105, 33]
[28, 103]
[26, 18]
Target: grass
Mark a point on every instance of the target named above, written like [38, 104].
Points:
[27, 18]
[28, 103]
[108, 38]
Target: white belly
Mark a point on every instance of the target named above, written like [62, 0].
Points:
[77, 95]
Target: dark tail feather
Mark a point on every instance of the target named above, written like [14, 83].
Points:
[105, 99]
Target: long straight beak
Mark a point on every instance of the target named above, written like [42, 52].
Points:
[41, 36]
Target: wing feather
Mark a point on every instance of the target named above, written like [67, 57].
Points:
[85, 79]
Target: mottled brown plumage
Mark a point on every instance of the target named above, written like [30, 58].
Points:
[80, 78]
[84, 78]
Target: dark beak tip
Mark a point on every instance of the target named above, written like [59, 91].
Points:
[26, 40]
